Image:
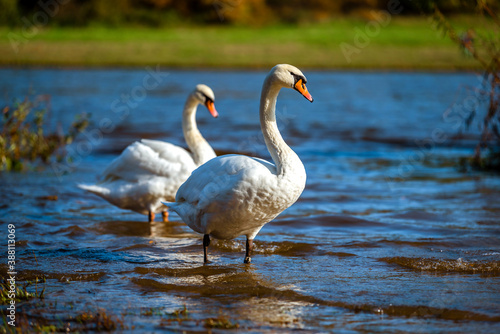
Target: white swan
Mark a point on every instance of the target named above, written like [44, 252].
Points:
[235, 195]
[150, 171]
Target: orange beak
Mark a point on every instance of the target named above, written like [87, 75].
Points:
[302, 89]
[211, 107]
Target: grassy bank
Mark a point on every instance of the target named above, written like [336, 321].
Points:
[397, 43]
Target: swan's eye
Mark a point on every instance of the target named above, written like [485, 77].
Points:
[297, 78]
[204, 97]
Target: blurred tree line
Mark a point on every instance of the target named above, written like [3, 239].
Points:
[242, 12]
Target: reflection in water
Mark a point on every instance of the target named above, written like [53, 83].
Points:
[144, 229]
[374, 244]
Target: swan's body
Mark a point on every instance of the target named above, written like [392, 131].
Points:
[235, 195]
[151, 171]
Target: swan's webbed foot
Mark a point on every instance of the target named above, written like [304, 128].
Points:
[248, 253]
[151, 216]
[164, 215]
[206, 243]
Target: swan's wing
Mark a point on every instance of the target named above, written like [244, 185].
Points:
[220, 180]
[149, 158]
[166, 151]
[230, 194]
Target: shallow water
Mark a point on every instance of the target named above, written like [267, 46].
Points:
[388, 236]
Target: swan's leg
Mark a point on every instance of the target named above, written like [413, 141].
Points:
[248, 254]
[164, 214]
[206, 243]
[151, 216]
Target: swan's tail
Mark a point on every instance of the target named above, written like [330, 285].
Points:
[95, 189]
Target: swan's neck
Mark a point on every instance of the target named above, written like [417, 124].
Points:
[283, 156]
[199, 147]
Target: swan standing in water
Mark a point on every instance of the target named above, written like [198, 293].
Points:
[150, 171]
[235, 195]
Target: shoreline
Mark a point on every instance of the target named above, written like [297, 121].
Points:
[222, 68]
[404, 44]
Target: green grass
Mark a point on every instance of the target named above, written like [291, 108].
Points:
[404, 43]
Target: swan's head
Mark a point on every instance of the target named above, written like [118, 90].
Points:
[204, 95]
[290, 77]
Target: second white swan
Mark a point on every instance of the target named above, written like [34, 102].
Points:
[150, 171]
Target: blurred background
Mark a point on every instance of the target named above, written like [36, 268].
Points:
[399, 34]
[158, 13]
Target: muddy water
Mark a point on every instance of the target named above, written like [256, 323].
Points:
[389, 235]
